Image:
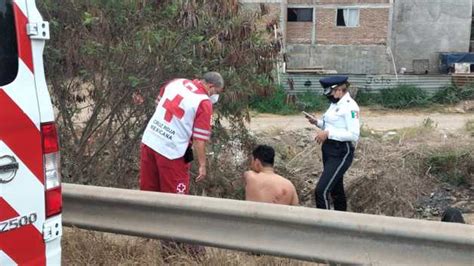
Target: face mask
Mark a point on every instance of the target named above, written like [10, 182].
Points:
[214, 98]
[332, 99]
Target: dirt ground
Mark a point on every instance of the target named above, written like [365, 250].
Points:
[379, 120]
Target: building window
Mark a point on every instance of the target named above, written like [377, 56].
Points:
[347, 17]
[300, 14]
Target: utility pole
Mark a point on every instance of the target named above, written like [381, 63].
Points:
[283, 19]
[283, 16]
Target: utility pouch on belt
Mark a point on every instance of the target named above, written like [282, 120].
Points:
[188, 155]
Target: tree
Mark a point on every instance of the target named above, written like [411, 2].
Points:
[107, 59]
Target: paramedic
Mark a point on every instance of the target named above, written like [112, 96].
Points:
[182, 117]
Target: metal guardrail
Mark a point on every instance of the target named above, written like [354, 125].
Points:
[288, 231]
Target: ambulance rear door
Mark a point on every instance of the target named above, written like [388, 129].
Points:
[22, 179]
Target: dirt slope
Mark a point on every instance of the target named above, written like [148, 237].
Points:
[375, 120]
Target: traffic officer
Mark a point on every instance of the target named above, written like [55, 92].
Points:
[340, 129]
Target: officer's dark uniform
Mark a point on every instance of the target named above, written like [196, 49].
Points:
[341, 121]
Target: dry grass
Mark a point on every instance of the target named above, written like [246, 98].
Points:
[390, 173]
[426, 128]
[386, 179]
[82, 247]
[470, 127]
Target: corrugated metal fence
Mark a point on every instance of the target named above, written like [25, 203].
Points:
[370, 83]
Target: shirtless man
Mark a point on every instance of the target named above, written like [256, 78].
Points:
[263, 185]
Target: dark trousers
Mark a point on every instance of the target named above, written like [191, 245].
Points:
[337, 158]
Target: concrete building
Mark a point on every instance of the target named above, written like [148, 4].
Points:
[370, 36]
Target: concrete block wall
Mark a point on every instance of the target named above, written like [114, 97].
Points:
[423, 28]
[354, 59]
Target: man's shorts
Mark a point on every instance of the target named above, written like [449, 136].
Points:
[158, 173]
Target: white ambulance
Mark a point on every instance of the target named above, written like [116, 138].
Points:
[30, 188]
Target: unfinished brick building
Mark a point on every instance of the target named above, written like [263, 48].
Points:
[371, 36]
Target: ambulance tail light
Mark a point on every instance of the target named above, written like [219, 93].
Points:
[52, 172]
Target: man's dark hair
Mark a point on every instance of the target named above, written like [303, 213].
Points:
[452, 215]
[265, 154]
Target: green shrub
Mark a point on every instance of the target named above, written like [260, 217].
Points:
[404, 96]
[452, 166]
[467, 92]
[453, 94]
[447, 95]
[366, 98]
[276, 102]
[311, 101]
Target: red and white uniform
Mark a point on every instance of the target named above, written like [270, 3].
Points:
[183, 112]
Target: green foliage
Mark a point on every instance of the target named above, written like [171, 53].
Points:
[366, 98]
[107, 60]
[407, 96]
[453, 94]
[404, 96]
[311, 101]
[447, 95]
[276, 102]
[467, 92]
[453, 166]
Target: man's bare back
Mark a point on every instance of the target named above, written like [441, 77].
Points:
[269, 187]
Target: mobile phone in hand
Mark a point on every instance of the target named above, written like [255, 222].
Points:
[308, 115]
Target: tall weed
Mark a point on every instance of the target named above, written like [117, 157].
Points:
[453, 166]
[447, 95]
[366, 98]
[311, 101]
[276, 102]
[404, 96]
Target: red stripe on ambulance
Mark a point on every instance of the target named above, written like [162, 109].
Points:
[25, 142]
[23, 245]
[25, 51]
[6, 211]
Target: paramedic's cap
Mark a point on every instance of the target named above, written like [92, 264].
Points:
[329, 83]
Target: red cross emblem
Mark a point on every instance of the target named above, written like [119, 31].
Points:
[181, 188]
[173, 109]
